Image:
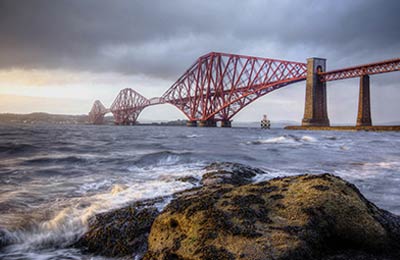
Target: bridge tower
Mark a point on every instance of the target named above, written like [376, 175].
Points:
[364, 104]
[97, 113]
[315, 112]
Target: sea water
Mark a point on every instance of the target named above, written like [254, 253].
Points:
[53, 178]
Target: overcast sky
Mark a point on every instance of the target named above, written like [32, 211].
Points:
[59, 56]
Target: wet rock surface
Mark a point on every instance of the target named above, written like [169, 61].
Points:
[189, 179]
[120, 232]
[229, 173]
[125, 231]
[300, 217]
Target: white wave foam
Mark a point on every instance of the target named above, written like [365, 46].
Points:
[59, 253]
[155, 170]
[274, 140]
[383, 165]
[169, 160]
[117, 188]
[287, 139]
[193, 136]
[273, 174]
[70, 222]
[366, 170]
[307, 138]
[163, 159]
[93, 186]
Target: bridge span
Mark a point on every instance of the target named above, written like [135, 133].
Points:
[218, 85]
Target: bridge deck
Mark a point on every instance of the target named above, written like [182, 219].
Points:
[360, 70]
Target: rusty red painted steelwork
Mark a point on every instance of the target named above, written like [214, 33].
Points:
[127, 106]
[218, 85]
[361, 70]
[96, 114]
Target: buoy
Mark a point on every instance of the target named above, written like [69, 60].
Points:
[265, 123]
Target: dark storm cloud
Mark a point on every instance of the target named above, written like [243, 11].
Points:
[162, 38]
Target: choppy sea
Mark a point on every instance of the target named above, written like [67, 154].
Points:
[53, 178]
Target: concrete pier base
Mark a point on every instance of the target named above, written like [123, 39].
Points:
[364, 103]
[226, 123]
[315, 112]
[207, 123]
[191, 123]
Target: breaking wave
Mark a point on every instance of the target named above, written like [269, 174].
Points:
[285, 139]
[164, 158]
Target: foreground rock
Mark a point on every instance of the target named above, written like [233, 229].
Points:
[120, 232]
[301, 217]
[124, 231]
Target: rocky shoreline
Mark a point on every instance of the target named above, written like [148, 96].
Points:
[229, 217]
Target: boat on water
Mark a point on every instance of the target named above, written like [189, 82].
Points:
[265, 123]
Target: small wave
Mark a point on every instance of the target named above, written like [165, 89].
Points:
[49, 254]
[273, 173]
[117, 188]
[55, 160]
[166, 172]
[193, 136]
[330, 137]
[94, 186]
[160, 137]
[307, 138]
[6, 237]
[164, 158]
[378, 165]
[362, 171]
[13, 148]
[274, 140]
[386, 165]
[285, 139]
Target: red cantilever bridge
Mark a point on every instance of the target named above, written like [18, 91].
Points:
[218, 85]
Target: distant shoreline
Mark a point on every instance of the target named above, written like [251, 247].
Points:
[377, 128]
[64, 119]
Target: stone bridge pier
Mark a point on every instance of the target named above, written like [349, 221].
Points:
[315, 112]
[364, 103]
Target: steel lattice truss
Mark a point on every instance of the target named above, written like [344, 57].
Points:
[219, 85]
[366, 69]
[96, 114]
[127, 106]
